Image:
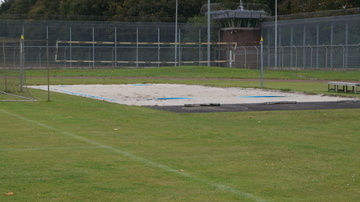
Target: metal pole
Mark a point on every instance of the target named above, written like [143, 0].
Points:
[176, 28]
[262, 62]
[137, 46]
[47, 61]
[257, 57]
[291, 44]
[115, 51]
[70, 48]
[311, 56]
[208, 37]
[159, 39]
[343, 55]
[179, 57]
[326, 56]
[200, 56]
[93, 52]
[5, 76]
[346, 43]
[331, 46]
[245, 54]
[304, 46]
[22, 75]
[276, 35]
[296, 56]
[317, 45]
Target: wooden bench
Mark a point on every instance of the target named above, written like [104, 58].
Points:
[343, 86]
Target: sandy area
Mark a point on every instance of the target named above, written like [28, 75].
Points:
[177, 94]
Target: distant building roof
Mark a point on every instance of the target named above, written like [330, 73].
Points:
[240, 13]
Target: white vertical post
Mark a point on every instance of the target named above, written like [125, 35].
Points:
[230, 58]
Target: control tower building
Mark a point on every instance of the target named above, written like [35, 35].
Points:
[239, 23]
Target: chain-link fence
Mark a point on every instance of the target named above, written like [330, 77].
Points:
[109, 44]
[326, 43]
[316, 43]
[324, 57]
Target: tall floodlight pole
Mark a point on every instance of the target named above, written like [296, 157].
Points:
[176, 31]
[276, 37]
[208, 34]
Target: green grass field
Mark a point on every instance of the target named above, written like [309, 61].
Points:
[79, 149]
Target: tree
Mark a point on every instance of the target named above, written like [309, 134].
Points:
[155, 8]
[16, 6]
[303, 6]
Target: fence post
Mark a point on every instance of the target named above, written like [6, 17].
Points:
[137, 46]
[70, 48]
[89, 56]
[311, 56]
[93, 53]
[296, 54]
[346, 44]
[291, 56]
[269, 56]
[200, 55]
[245, 54]
[282, 56]
[159, 39]
[115, 51]
[179, 52]
[4, 55]
[262, 62]
[257, 57]
[22, 61]
[317, 44]
[343, 55]
[331, 46]
[326, 55]
[304, 47]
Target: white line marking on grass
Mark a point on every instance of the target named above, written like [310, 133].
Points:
[140, 159]
[50, 148]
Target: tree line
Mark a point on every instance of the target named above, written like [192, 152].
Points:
[152, 9]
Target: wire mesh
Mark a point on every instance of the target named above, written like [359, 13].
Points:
[326, 43]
